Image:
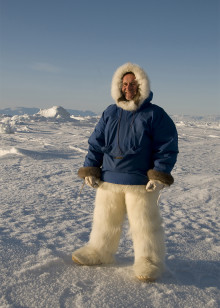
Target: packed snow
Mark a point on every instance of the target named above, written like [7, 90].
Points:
[44, 218]
[56, 112]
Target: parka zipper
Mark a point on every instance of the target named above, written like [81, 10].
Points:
[118, 129]
[119, 122]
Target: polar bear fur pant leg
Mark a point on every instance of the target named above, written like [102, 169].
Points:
[147, 233]
[108, 217]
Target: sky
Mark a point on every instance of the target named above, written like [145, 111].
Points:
[65, 52]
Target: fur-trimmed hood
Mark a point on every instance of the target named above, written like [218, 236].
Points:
[143, 87]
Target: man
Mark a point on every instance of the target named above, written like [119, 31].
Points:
[131, 154]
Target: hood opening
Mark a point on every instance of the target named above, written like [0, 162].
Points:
[143, 86]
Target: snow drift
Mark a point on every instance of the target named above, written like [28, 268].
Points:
[56, 112]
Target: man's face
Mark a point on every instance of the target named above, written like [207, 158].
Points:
[129, 86]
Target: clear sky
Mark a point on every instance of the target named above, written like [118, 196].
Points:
[64, 52]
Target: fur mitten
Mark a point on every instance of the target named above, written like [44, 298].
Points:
[165, 178]
[92, 181]
[153, 185]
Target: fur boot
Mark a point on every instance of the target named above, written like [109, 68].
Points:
[86, 255]
[108, 217]
[147, 233]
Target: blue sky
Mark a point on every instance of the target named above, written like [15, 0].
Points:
[65, 52]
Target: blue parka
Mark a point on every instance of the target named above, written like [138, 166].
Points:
[135, 140]
[126, 144]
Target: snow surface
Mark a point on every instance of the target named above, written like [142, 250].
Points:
[43, 219]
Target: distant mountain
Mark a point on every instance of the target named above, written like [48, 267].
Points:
[80, 113]
[192, 118]
[19, 111]
[86, 113]
[31, 111]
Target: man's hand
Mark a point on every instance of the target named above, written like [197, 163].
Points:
[92, 181]
[153, 185]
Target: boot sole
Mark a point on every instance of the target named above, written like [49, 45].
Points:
[146, 279]
[76, 261]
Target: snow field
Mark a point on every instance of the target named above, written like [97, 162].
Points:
[43, 219]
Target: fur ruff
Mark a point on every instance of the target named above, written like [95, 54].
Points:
[163, 177]
[89, 171]
[143, 87]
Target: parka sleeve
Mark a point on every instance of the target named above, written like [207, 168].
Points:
[94, 157]
[165, 147]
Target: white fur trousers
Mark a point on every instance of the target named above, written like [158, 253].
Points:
[111, 204]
